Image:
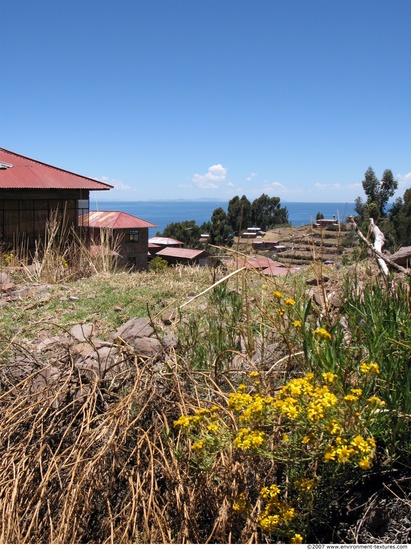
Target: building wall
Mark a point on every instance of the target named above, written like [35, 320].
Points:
[133, 254]
[24, 213]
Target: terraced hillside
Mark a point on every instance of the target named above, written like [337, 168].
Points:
[304, 244]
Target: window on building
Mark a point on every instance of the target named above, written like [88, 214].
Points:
[134, 236]
[82, 208]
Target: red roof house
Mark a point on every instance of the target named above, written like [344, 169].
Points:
[128, 234]
[31, 190]
[183, 255]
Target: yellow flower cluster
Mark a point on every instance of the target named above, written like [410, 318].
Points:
[313, 400]
[200, 415]
[239, 400]
[370, 368]
[305, 485]
[276, 514]
[322, 334]
[249, 439]
[187, 421]
[359, 451]
[241, 504]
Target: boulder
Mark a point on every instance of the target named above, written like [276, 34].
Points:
[134, 328]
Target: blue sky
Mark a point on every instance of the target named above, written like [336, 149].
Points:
[174, 99]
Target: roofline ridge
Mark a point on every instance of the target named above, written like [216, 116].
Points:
[56, 167]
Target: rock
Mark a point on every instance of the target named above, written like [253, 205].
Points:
[316, 281]
[7, 287]
[146, 347]
[81, 333]
[168, 317]
[134, 328]
[170, 341]
[84, 349]
[4, 278]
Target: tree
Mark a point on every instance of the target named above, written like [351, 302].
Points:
[388, 187]
[400, 220]
[239, 214]
[378, 193]
[319, 216]
[267, 212]
[221, 233]
[187, 231]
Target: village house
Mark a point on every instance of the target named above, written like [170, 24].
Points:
[128, 235]
[30, 191]
[186, 256]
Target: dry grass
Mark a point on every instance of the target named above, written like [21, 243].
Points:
[91, 460]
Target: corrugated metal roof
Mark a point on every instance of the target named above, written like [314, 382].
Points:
[183, 253]
[26, 173]
[167, 241]
[257, 262]
[113, 220]
[277, 271]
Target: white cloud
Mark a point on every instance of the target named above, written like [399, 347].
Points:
[328, 186]
[274, 187]
[117, 184]
[404, 181]
[212, 179]
[251, 176]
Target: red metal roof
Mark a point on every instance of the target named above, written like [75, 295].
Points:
[113, 220]
[18, 172]
[167, 241]
[279, 271]
[183, 253]
[257, 262]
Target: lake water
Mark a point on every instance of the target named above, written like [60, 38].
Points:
[163, 213]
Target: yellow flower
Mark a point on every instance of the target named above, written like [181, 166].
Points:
[247, 439]
[351, 397]
[289, 514]
[333, 427]
[254, 374]
[281, 312]
[375, 401]
[322, 334]
[290, 302]
[356, 391]
[329, 454]
[197, 445]
[212, 427]
[269, 523]
[270, 492]
[315, 411]
[329, 377]
[296, 539]
[201, 412]
[297, 324]
[285, 438]
[304, 484]
[277, 295]
[344, 454]
[183, 421]
[241, 504]
[365, 463]
[369, 367]
[308, 439]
